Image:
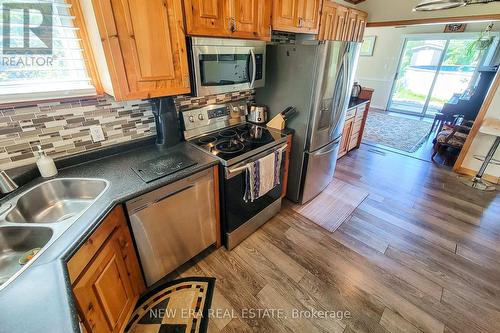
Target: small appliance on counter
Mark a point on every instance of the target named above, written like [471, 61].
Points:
[257, 114]
[356, 90]
[222, 131]
[168, 133]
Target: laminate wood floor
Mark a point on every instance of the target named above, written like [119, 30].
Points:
[420, 254]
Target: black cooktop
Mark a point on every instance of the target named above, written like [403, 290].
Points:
[162, 166]
[235, 141]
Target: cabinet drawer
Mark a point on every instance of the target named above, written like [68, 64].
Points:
[87, 251]
[360, 112]
[350, 113]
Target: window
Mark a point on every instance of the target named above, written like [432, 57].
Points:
[41, 54]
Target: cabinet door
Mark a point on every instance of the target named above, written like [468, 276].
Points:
[333, 18]
[350, 27]
[104, 292]
[145, 47]
[206, 18]
[285, 15]
[246, 18]
[362, 20]
[308, 15]
[346, 136]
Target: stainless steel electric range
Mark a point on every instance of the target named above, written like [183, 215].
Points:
[221, 130]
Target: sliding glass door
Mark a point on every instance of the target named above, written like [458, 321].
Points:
[431, 72]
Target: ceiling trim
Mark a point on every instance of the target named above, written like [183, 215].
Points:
[456, 19]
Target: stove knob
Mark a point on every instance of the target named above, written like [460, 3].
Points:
[191, 119]
[200, 116]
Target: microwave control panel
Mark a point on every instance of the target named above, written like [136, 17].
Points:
[258, 66]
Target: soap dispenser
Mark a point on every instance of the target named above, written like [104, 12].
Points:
[45, 164]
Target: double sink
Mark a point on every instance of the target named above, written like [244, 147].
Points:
[34, 219]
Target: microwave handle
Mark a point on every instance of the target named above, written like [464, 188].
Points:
[254, 68]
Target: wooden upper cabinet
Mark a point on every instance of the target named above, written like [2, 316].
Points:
[228, 18]
[144, 46]
[300, 16]
[362, 21]
[285, 15]
[341, 23]
[245, 18]
[308, 15]
[333, 21]
[206, 18]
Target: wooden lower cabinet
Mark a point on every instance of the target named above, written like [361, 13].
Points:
[353, 128]
[106, 287]
[346, 137]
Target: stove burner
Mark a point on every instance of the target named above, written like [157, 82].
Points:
[228, 133]
[207, 140]
[229, 146]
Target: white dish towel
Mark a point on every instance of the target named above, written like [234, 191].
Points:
[263, 175]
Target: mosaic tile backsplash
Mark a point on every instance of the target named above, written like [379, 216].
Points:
[184, 103]
[63, 128]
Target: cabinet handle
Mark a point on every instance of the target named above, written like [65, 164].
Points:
[300, 22]
[231, 24]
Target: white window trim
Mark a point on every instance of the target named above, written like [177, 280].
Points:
[46, 95]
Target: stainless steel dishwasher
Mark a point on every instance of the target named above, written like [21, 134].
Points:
[173, 224]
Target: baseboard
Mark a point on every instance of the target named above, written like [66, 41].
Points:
[470, 172]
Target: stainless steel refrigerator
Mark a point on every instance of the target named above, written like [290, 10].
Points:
[316, 78]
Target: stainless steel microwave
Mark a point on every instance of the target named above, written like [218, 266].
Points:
[227, 65]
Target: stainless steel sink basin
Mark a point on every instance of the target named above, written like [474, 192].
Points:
[56, 200]
[15, 242]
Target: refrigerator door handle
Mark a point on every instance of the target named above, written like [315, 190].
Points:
[343, 90]
[319, 152]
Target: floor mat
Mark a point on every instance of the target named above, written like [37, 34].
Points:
[333, 206]
[397, 132]
[176, 306]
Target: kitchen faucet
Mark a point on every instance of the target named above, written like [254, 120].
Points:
[7, 185]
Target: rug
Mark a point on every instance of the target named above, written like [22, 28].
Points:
[333, 206]
[178, 306]
[397, 132]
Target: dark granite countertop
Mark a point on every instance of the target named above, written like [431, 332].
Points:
[40, 299]
[355, 102]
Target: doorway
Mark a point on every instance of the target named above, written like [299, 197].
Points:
[433, 71]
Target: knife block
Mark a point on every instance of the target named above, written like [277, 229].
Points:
[278, 122]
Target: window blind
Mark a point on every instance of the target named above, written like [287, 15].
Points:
[41, 54]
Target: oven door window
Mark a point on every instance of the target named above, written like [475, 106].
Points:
[225, 69]
[236, 210]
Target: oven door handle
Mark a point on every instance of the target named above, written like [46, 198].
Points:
[254, 68]
[230, 173]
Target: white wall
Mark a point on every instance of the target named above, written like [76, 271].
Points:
[397, 10]
[482, 143]
[378, 71]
